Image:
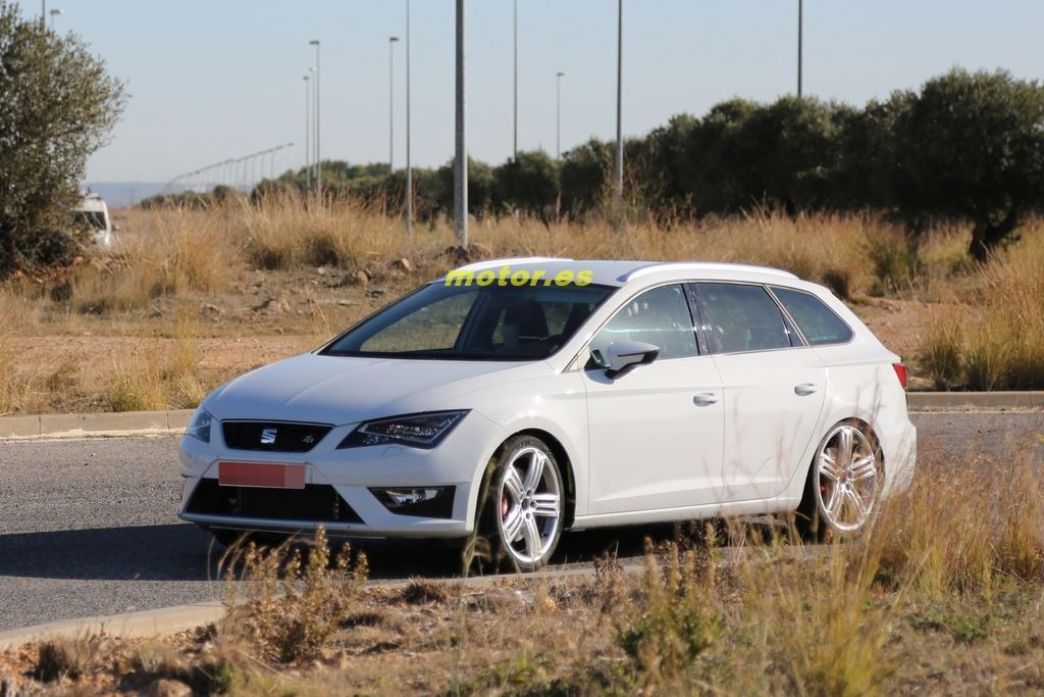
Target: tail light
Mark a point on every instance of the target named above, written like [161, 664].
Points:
[900, 372]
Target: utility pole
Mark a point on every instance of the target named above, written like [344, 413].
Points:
[460, 165]
[514, 147]
[318, 156]
[801, 29]
[558, 114]
[409, 167]
[308, 135]
[392, 40]
[618, 175]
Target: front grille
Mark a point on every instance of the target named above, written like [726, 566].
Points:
[318, 502]
[273, 436]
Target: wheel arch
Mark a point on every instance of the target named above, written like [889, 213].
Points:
[562, 457]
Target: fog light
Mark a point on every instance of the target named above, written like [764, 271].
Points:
[408, 497]
[429, 501]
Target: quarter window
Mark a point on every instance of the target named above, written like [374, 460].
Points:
[739, 318]
[816, 321]
[659, 317]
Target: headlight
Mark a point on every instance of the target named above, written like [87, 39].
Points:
[199, 427]
[417, 430]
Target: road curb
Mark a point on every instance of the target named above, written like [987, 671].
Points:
[922, 401]
[68, 425]
[146, 623]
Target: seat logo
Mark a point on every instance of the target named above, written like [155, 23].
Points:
[268, 436]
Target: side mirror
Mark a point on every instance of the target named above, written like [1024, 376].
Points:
[621, 356]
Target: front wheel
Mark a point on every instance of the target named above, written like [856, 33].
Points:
[844, 482]
[525, 504]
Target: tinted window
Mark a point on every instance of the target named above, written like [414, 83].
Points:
[816, 321]
[474, 322]
[740, 318]
[659, 317]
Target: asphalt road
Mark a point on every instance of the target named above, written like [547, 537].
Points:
[88, 526]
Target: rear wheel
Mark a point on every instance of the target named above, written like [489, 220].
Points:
[844, 482]
[525, 505]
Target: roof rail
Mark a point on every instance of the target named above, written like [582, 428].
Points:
[508, 261]
[704, 266]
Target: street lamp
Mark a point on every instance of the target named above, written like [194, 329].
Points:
[801, 29]
[318, 160]
[514, 101]
[54, 13]
[308, 133]
[558, 114]
[460, 155]
[409, 168]
[392, 40]
[618, 174]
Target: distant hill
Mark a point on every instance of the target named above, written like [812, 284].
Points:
[118, 194]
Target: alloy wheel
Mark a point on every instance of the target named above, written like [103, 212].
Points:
[848, 474]
[529, 508]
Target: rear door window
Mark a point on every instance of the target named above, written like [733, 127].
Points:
[738, 318]
[816, 321]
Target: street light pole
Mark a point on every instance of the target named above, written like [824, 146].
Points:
[308, 134]
[460, 165]
[392, 40]
[618, 178]
[54, 13]
[318, 156]
[801, 29]
[409, 167]
[514, 147]
[558, 114]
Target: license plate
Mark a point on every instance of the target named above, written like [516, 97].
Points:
[262, 475]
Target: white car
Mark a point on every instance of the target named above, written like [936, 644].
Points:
[92, 215]
[519, 398]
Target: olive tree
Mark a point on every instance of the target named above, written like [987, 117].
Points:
[57, 106]
[971, 146]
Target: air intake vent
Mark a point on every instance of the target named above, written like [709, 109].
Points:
[316, 502]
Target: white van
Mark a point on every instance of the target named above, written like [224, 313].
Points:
[92, 214]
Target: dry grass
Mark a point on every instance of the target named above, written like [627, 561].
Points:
[996, 341]
[279, 269]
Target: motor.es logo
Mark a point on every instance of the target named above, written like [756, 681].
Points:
[505, 276]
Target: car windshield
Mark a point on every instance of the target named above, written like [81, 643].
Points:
[474, 322]
[91, 220]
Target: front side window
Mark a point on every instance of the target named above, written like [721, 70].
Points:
[474, 323]
[738, 318]
[659, 317]
[816, 321]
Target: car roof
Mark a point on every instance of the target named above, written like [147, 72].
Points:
[622, 272]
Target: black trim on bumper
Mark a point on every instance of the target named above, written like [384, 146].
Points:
[316, 502]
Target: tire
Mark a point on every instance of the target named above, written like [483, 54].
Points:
[843, 487]
[523, 509]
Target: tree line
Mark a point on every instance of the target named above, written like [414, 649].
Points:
[964, 147]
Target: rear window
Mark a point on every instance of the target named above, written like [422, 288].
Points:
[816, 321]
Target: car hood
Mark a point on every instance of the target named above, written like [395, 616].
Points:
[342, 390]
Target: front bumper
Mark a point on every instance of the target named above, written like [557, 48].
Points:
[458, 462]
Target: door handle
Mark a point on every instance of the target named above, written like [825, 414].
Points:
[804, 389]
[705, 399]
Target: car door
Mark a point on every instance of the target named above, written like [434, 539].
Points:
[656, 432]
[774, 387]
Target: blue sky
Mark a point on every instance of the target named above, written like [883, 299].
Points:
[215, 79]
